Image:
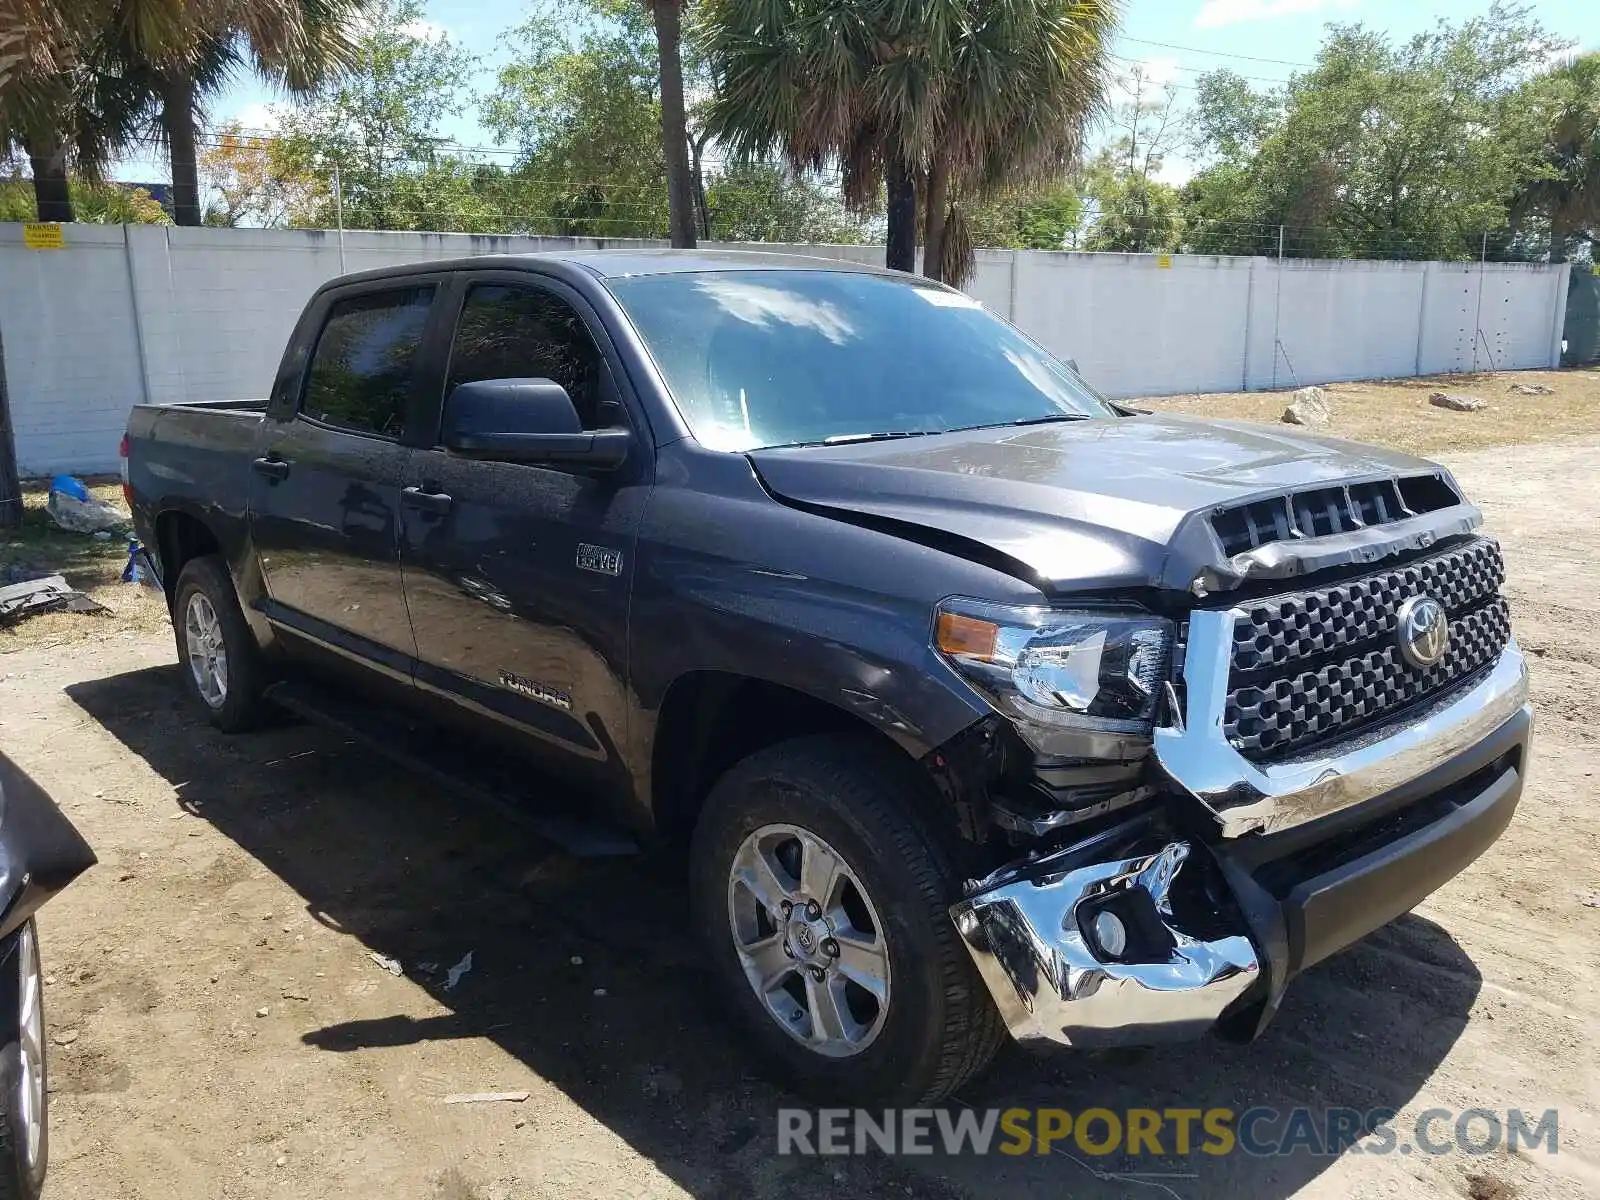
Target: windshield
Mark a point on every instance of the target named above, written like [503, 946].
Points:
[778, 358]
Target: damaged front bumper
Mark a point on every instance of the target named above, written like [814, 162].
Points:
[1213, 926]
[1032, 931]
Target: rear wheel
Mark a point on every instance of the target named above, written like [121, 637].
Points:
[821, 888]
[217, 653]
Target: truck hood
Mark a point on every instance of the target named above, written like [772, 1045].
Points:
[1094, 504]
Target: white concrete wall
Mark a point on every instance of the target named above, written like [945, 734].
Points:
[125, 314]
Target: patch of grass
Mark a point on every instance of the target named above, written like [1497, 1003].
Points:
[44, 546]
[41, 546]
[1396, 412]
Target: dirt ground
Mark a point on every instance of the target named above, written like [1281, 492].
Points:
[221, 1029]
[1396, 412]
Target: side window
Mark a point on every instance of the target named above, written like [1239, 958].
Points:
[362, 370]
[509, 332]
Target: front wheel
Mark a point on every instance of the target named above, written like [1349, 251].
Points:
[821, 885]
[24, 1129]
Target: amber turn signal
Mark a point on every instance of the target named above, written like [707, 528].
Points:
[968, 637]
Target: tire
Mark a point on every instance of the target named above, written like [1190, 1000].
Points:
[24, 1088]
[937, 1026]
[205, 611]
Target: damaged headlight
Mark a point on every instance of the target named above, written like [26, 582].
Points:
[1049, 668]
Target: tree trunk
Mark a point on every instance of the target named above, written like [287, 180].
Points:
[1559, 241]
[10, 485]
[52, 200]
[674, 130]
[177, 124]
[701, 206]
[936, 207]
[901, 252]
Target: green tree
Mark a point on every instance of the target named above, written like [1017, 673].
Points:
[1407, 149]
[769, 202]
[966, 97]
[375, 127]
[1132, 210]
[577, 98]
[1046, 218]
[1564, 193]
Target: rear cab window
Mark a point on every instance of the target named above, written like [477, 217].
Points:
[364, 366]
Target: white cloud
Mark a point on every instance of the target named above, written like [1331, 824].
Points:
[1214, 14]
[258, 116]
[425, 30]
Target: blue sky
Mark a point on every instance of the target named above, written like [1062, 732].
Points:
[1175, 40]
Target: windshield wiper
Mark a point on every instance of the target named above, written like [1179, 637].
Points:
[1051, 418]
[844, 439]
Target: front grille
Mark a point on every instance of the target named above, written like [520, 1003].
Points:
[1312, 666]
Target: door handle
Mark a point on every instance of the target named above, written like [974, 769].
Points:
[272, 468]
[433, 502]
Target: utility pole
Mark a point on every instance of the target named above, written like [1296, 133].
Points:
[10, 485]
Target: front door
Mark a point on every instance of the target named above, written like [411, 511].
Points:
[518, 579]
[326, 493]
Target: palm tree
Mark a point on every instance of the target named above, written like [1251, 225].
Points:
[1024, 80]
[952, 97]
[1567, 193]
[668, 15]
[63, 100]
[294, 44]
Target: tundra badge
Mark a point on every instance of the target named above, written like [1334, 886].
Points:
[524, 686]
[599, 559]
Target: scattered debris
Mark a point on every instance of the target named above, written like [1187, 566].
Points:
[1589, 899]
[487, 1097]
[281, 1161]
[65, 1037]
[576, 960]
[102, 535]
[289, 994]
[1309, 407]
[72, 508]
[263, 1011]
[1458, 402]
[599, 991]
[1531, 389]
[49, 594]
[391, 965]
[454, 974]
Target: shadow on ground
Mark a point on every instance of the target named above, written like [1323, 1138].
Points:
[418, 877]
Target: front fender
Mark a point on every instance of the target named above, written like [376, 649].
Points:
[40, 851]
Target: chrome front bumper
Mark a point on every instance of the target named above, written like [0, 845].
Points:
[1028, 929]
[1246, 797]
[1029, 926]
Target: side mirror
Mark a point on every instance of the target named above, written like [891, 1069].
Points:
[526, 421]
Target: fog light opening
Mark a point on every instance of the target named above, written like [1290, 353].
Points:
[1110, 934]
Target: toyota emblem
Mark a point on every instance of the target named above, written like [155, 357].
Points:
[1424, 631]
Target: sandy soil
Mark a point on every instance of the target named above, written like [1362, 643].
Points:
[223, 1031]
[1396, 412]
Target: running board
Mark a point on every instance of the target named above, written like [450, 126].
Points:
[457, 768]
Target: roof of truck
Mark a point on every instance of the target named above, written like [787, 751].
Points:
[613, 264]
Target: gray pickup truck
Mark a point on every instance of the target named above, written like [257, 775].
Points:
[982, 705]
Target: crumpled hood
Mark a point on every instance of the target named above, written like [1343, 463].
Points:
[1100, 503]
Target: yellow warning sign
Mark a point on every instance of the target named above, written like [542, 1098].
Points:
[42, 235]
[1164, 262]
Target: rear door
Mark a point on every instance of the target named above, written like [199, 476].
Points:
[518, 579]
[326, 490]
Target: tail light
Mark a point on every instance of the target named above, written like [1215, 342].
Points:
[122, 453]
